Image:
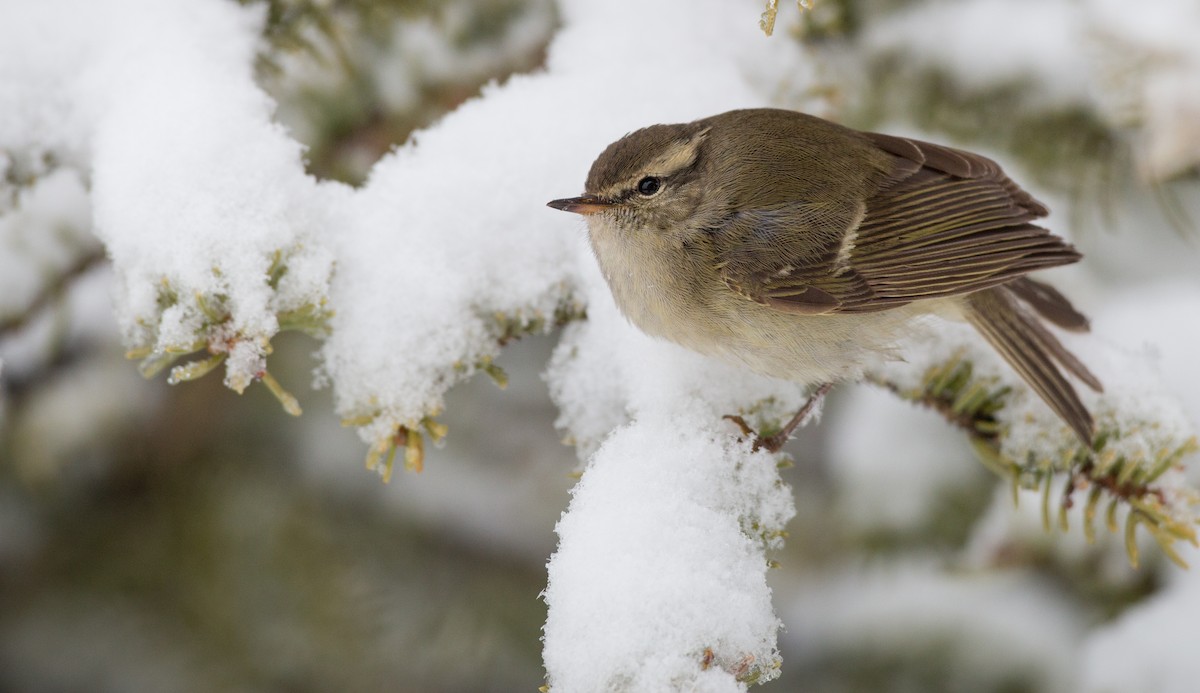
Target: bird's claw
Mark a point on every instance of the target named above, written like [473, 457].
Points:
[769, 443]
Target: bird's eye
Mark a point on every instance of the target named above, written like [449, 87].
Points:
[648, 186]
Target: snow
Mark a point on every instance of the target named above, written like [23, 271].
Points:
[235, 182]
[670, 493]
[194, 188]
[660, 561]
[1152, 322]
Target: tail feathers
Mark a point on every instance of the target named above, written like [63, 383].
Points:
[1049, 303]
[1034, 353]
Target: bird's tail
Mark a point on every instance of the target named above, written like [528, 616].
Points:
[1049, 303]
[1033, 351]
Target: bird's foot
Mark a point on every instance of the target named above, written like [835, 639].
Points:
[774, 443]
[771, 443]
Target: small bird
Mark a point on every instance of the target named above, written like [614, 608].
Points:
[805, 249]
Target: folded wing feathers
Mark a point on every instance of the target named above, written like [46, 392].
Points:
[952, 225]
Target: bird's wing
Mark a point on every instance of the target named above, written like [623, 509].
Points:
[944, 222]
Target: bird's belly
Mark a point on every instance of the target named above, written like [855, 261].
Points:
[801, 348]
[808, 348]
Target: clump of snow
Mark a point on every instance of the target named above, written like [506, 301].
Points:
[195, 191]
[447, 232]
[671, 494]
[660, 564]
[236, 193]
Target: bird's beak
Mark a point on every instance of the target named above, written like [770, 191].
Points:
[584, 204]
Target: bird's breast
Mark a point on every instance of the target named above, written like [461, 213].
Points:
[660, 285]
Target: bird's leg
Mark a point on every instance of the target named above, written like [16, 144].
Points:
[775, 442]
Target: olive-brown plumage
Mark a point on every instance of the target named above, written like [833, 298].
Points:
[804, 249]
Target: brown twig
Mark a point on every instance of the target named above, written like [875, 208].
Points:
[959, 419]
[51, 291]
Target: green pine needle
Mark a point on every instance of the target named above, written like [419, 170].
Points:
[1128, 481]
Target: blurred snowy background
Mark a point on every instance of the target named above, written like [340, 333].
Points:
[180, 537]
